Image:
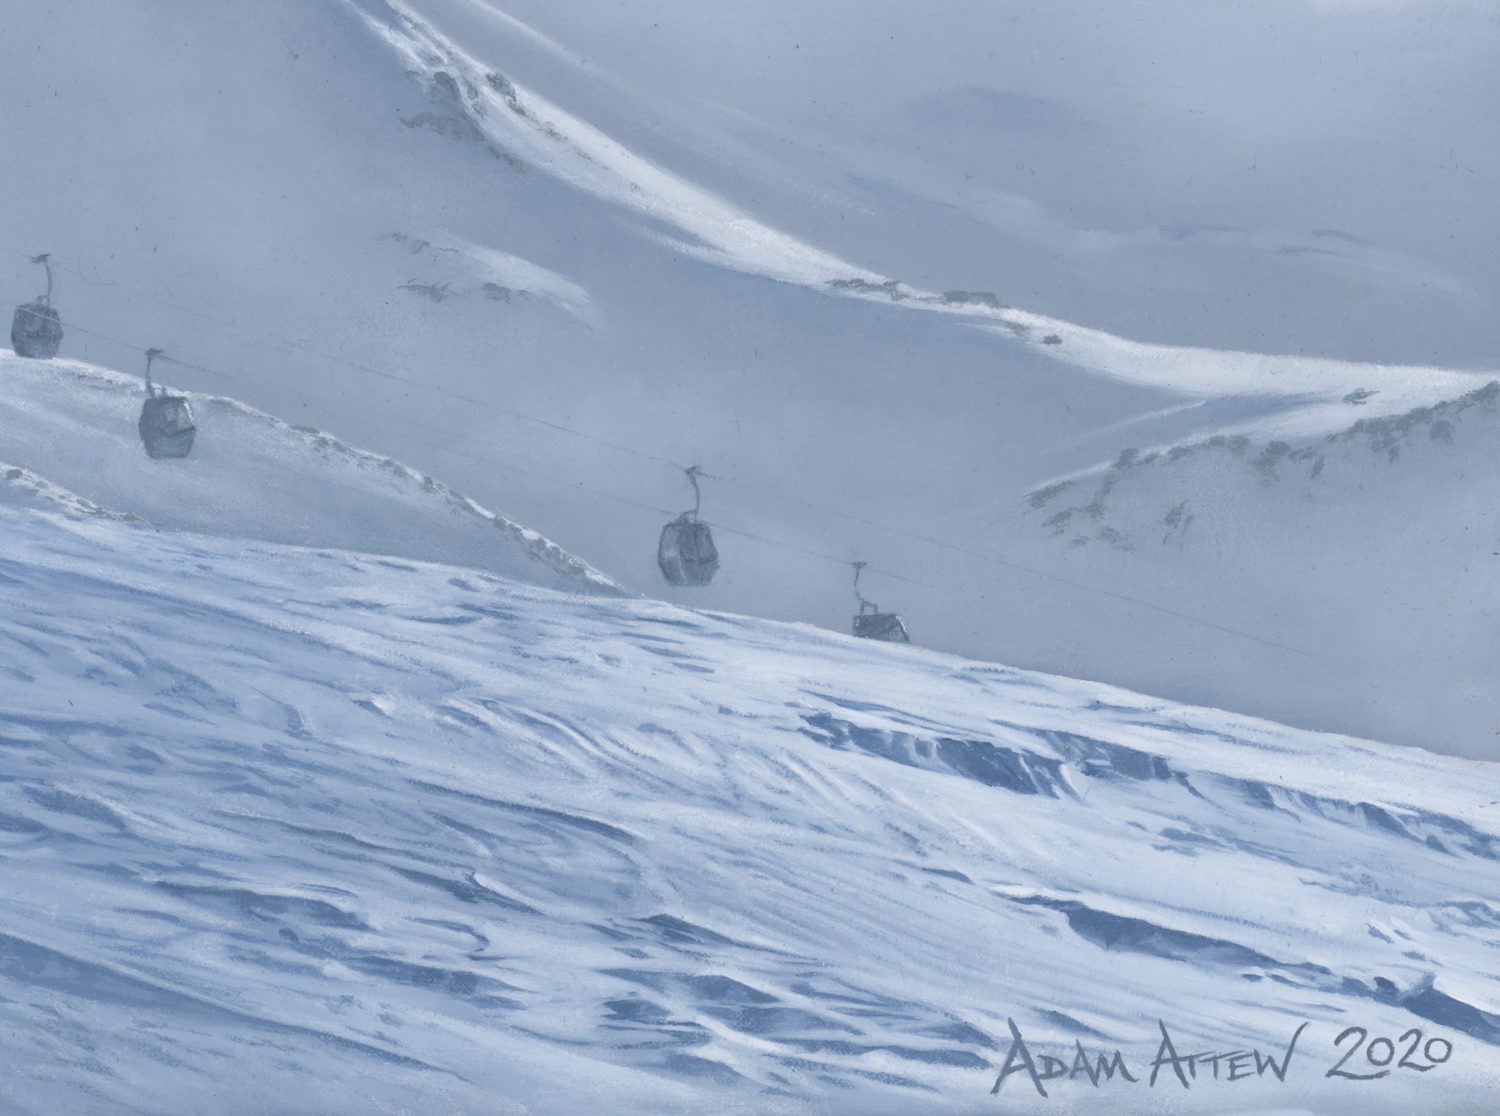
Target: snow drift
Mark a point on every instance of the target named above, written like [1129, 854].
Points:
[305, 831]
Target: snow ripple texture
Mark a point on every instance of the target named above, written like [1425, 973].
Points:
[310, 832]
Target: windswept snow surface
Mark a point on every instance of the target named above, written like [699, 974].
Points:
[310, 832]
[70, 434]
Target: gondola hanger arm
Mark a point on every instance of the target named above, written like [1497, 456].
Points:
[45, 259]
[864, 605]
[151, 355]
[693, 473]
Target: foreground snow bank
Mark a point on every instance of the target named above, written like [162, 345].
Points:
[297, 831]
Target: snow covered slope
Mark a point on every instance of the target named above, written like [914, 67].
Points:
[1377, 549]
[1260, 179]
[309, 832]
[480, 104]
[71, 443]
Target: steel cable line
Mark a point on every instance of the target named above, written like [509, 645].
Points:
[1050, 576]
[726, 528]
[1060, 579]
[142, 349]
[385, 374]
[508, 411]
[511, 467]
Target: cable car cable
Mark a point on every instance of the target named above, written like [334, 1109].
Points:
[930, 540]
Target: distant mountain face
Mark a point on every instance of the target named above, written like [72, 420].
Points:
[1263, 180]
[1243, 479]
[297, 831]
[1376, 549]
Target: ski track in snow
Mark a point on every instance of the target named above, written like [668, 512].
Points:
[322, 828]
[528, 127]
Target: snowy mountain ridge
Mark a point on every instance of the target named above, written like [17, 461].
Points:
[1379, 546]
[1270, 461]
[22, 488]
[480, 105]
[72, 445]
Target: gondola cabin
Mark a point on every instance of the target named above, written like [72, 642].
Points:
[686, 551]
[166, 423]
[885, 626]
[166, 426]
[871, 623]
[36, 330]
